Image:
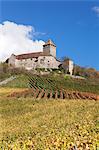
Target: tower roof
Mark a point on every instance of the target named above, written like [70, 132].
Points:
[49, 42]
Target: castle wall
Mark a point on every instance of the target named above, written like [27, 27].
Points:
[40, 62]
[26, 63]
[46, 50]
[11, 60]
[49, 50]
[68, 66]
[48, 62]
[53, 51]
[71, 66]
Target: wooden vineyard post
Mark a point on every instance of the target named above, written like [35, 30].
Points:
[32, 91]
[61, 94]
[77, 96]
[66, 95]
[41, 94]
[51, 94]
[70, 95]
[46, 94]
[56, 95]
[74, 95]
[36, 93]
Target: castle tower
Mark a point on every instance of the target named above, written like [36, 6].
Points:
[49, 48]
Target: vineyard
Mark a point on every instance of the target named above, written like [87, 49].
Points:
[32, 124]
[49, 87]
[49, 112]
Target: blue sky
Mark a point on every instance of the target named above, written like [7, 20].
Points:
[72, 25]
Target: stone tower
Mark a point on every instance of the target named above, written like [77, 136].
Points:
[49, 48]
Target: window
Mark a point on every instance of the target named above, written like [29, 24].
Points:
[36, 60]
[42, 61]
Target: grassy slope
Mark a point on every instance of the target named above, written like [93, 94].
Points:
[4, 76]
[27, 123]
[69, 84]
[21, 81]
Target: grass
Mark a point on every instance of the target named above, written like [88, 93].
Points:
[4, 76]
[28, 123]
[57, 82]
[21, 81]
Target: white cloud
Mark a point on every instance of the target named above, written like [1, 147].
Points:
[17, 39]
[96, 10]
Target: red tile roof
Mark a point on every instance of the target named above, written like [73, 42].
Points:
[30, 55]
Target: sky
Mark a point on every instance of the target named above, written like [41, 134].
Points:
[72, 25]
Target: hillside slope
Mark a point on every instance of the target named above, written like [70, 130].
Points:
[53, 82]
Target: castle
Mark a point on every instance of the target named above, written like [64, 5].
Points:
[45, 59]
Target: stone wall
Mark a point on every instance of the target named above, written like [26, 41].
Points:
[53, 51]
[40, 62]
[11, 60]
[49, 50]
[71, 66]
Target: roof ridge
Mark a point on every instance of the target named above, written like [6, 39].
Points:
[28, 53]
[31, 55]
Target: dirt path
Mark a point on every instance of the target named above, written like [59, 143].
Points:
[7, 80]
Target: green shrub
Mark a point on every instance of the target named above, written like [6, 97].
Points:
[66, 77]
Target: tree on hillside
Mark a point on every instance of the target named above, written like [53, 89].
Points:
[79, 71]
[86, 72]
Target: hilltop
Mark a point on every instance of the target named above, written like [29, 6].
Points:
[58, 78]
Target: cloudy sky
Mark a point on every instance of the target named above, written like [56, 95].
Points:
[72, 25]
[18, 39]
